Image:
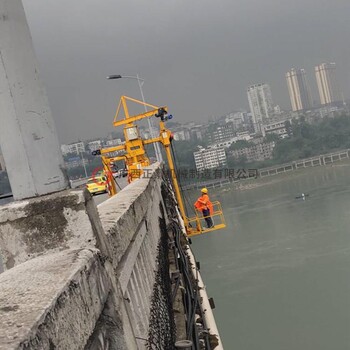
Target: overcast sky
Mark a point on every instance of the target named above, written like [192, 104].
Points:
[197, 56]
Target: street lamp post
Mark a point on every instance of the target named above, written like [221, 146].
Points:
[83, 161]
[150, 124]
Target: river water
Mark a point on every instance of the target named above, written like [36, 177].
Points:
[280, 272]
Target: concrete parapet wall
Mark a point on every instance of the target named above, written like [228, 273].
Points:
[64, 220]
[131, 223]
[76, 279]
[121, 216]
[54, 301]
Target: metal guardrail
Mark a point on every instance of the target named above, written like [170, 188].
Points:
[198, 221]
[320, 160]
[78, 182]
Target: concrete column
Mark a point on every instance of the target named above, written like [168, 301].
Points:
[27, 133]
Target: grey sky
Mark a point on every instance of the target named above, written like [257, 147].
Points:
[197, 56]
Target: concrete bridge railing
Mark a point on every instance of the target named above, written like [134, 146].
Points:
[78, 278]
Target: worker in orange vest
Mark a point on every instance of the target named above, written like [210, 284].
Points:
[204, 204]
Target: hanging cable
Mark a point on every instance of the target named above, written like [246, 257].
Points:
[188, 203]
[115, 181]
[192, 295]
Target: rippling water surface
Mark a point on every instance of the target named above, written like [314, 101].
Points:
[280, 272]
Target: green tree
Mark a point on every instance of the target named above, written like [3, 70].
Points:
[311, 139]
[271, 138]
[289, 128]
[240, 144]
[184, 153]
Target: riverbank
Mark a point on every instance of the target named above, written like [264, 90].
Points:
[253, 183]
[246, 176]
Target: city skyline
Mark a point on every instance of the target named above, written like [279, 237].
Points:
[260, 100]
[298, 87]
[206, 58]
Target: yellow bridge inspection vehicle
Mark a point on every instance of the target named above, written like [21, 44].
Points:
[135, 157]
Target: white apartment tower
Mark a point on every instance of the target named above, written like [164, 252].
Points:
[299, 91]
[260, 103]
[327, 83]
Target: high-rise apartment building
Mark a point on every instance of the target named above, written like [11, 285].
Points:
[260, 103]
[327, 83]
[299, 91]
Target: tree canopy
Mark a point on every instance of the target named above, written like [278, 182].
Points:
[309, 140]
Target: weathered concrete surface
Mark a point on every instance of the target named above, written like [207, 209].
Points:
[88, 283]
[108, 333]
[136, 205]
[54, 301]
[27, 134]
[75, 281]
[55, 222]
[131, 223]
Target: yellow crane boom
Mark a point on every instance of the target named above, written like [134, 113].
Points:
[135, 157]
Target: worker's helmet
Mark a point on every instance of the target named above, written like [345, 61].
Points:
[204, 190]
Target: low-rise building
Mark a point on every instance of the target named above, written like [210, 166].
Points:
[182, 135]
[258, 152]
[197, 133]
[113, 142]
[74, 148]
[210, 158]
[94, 145]
[221, 133]
[74, 162]
[238, 119]
[242, 136]
[330, 111]
[223, 144]
[277, 128]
